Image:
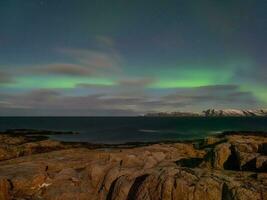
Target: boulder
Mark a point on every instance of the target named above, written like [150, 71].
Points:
[247, 161]
[247, 147]
[261, 163]
[221, 154]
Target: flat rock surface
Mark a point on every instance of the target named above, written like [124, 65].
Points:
[225, 167]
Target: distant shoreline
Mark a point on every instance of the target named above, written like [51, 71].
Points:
[35, 135]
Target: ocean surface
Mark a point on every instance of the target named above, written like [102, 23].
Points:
[117, 130]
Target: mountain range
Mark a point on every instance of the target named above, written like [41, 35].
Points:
[213, 113]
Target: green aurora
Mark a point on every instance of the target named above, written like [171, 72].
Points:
[127, 58]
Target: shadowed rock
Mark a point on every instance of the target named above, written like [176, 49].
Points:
[189, 162]
[132, 195]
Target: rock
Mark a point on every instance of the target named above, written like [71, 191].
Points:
[235, 191]
[221, 153]
[261, 163]
[159, 156]
[247, 161]
[131, 161]
[263, 148]
[5, 188]
[150, 162]
[210, 140]
[65, 185]
[25, 178]
[208, 188]
[246, 194]
[51, 170]
[5, 154]
[12, 148]
[247, 147]
[189, 162]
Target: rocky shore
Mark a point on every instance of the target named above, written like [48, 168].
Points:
[230, 166]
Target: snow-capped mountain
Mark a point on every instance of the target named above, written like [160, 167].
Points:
[234, 113]
[213, 113]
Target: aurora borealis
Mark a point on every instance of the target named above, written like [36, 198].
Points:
[84, 57]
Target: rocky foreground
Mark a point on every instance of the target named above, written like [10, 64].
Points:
[229, 166]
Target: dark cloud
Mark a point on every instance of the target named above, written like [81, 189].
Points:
[32, 99]
[42, 95]
[64, 69]
[108, 60]
[221, 96]
[65, 112]
[82, 62]
[55, 102]
[5, 78]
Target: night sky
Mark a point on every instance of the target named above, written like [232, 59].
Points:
[85, 57]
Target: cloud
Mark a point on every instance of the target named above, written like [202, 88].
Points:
[42, 102]
[84, 63]
[5, 78]
[42, 95]
[63, 69]
[94, 58]
[55, 102]
[105, 41]
[32, 99]
[219, 96]
[94, 62]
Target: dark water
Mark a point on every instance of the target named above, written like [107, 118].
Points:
[133, 129]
